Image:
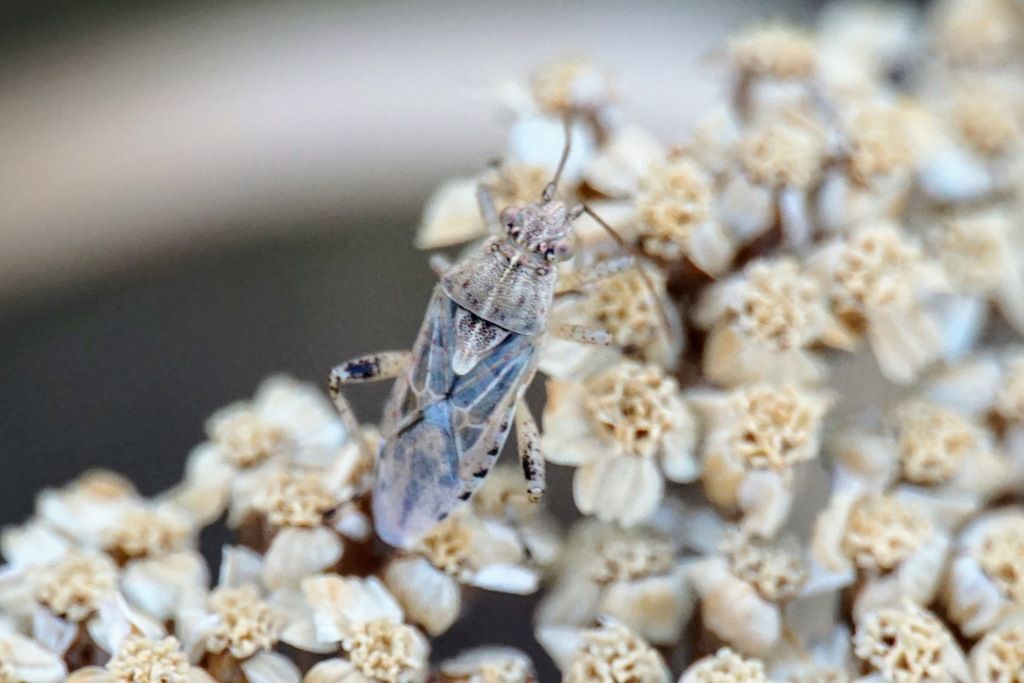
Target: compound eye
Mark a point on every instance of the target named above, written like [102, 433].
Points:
[508, 215]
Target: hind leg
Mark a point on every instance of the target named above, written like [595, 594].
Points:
[530, 457]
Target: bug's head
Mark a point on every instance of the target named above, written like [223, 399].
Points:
[544, 229]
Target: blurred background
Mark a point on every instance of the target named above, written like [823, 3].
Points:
[195, 195]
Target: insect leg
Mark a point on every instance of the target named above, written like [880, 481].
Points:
[485, 200]
[440, 264]
[581, 334]
[530, 457]
[599, 271]
[372, 368]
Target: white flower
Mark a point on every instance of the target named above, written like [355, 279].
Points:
[571, 86]
[981, 257]
[878, 282]
[986, 577]
[943, 456]
[368, 623]
[893, 540]
[999, 656]
[725, 665]
[625, 430]
[772, 51]
[286, 422]
[636, 576]
[623, 161]
[754, 438]
[86, 509]
[24, 659]
[675, 209]
[487, 664]
[609, 653]
[161, 568]
[462, 549]
[908, 643]
[77, 600]
[144, 660]
[743, 587]
[761, 325]
[624, 306]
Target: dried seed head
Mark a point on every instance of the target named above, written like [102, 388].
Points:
[143, 660]
[1001, 556]
[448, 546]
[245, 624]
[613, 653]
[295, 499]
[386, 651]
[986, 122]
[933, 442]
[879, 145]
[773, 50]
[148, 532]
[634, 405]
[999, 656]
[674, 200]
[875, 270]
[781, 306]
[905, 644]
[725, 666]
[245, 438]
[571, 86]
[784, 154]
[632, 556]
[775, 427]
[1010, 396]
[882, 531]
[75, 586]
[973, 248]
[776, 573]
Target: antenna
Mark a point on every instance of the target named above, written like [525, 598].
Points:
[662, 313]
[549, 190]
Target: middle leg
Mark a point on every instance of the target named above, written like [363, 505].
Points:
[530, 456]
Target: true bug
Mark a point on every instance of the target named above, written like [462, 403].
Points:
[458, 390]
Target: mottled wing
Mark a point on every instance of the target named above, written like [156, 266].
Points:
[449, 428]
[430, 374]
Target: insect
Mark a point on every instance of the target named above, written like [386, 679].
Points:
[461, 387]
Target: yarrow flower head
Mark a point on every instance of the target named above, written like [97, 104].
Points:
[637, 576]
[762, 323]
[244, 623]
[625, 429]
[75, 586]
[725, 666]
[908, 643]
[607, 654]
[773, 50]
[368, 623]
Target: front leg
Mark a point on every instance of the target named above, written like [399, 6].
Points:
[530, 456]
[372, 368]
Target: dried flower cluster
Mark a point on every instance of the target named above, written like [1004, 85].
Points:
[799, 458]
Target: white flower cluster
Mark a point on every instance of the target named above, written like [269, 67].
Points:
[848, 223]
